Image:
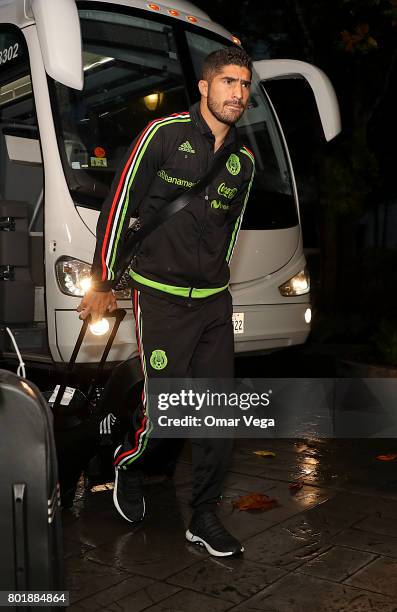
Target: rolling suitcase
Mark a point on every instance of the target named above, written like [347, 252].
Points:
[31, 539]
[76, 422]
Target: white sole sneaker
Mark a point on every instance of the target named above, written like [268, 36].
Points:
[216, 553]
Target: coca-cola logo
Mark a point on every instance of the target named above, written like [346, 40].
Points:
[228, 192]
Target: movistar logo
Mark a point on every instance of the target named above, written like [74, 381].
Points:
[217, 204]
[186, 147]
[228, 192]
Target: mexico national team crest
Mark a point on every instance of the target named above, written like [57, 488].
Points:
[158, 359]
[233, 164]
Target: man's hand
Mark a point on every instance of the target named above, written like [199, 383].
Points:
[96, 303]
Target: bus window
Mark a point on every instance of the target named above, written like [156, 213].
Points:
[131, 76]
[272, 204]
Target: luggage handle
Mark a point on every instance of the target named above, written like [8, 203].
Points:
[20, 552]
[119, 315]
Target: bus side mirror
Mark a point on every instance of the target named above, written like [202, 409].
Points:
[323, 90]
[58, 29]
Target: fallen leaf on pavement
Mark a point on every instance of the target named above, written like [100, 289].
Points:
[265, 453]
[255, 501]
[294, 487]
[388, 457]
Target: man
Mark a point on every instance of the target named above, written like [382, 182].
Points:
[182, 305]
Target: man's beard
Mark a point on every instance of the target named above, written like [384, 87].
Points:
[221, 113]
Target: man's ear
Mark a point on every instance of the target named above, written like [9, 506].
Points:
[203, 88]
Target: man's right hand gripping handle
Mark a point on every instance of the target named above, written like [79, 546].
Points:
[96, 303]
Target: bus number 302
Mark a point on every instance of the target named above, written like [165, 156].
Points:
[8, 54]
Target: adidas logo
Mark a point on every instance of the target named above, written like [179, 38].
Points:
[186, 147]
[105, 426]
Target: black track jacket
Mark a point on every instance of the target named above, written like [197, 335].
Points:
[188, 255]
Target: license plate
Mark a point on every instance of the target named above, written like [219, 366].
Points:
[238, 322]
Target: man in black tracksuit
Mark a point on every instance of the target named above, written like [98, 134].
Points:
[182, 305]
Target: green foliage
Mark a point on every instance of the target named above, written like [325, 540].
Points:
[359, 40]
[352, 40]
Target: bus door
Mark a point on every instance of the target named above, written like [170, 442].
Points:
[21, 201]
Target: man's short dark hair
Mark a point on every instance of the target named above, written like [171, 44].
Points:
[215, 61]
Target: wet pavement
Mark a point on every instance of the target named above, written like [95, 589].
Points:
[330, 547]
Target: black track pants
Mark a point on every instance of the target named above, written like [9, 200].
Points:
[176, 340]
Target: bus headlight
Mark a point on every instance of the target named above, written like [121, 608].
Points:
[74, 278]
[297, 285]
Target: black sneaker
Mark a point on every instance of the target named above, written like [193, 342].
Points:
[207, 530]
[128, 495]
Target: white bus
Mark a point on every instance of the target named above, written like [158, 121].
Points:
[78, 81]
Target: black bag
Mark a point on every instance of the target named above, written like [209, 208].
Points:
[137, 233]
[76, 425]
[120, 398]
[123, 392]
[31, 538]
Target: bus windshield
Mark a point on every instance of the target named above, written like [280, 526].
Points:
[132, 75]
